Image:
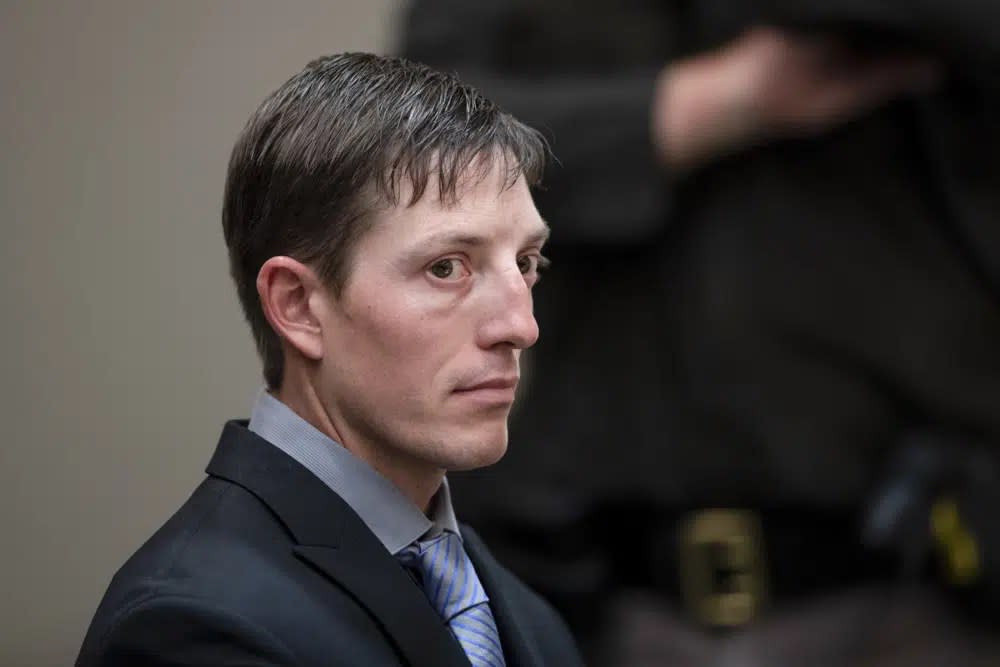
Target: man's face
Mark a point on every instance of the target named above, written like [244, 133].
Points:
[422, 346]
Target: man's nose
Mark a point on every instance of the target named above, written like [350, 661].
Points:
[509, 319]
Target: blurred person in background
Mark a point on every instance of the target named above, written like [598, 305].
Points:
[764, 416]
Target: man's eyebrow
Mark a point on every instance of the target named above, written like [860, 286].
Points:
[541, 236]
[451, 238]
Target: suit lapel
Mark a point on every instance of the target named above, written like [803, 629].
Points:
[391, 597]
[518, 650]
[333, 539]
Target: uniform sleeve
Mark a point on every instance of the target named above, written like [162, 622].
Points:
[606, 185]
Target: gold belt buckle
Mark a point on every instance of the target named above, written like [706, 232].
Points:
[722, 566]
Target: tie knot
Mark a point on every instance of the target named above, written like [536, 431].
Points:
[449, 577]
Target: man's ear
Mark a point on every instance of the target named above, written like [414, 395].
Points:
[287, 288]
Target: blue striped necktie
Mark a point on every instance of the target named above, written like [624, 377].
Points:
[451, 584]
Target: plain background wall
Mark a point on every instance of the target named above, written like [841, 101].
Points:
[122, 345]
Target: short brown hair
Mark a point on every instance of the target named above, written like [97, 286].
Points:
[334, 142]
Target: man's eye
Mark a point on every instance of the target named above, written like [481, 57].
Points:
[532, 264]
[445, 269]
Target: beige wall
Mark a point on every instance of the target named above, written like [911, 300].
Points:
[122, 346]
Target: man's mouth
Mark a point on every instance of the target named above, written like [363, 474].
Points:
[494, 390]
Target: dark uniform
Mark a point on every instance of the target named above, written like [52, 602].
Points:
[807, 333]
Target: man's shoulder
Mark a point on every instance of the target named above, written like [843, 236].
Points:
[207, 549]
[186, 575]
[218, 518]
[223, 567]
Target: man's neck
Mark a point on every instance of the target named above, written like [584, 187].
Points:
[416, 480]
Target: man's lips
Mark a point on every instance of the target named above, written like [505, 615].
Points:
[508, 383]
[497, 392]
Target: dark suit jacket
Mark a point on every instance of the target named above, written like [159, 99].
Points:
[265, 565]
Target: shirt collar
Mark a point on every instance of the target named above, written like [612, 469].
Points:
[387, 512]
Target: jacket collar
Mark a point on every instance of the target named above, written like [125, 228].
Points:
[334, 540]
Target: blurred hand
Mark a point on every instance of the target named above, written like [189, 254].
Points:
[770, 84]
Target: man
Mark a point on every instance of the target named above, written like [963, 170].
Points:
[384, 246]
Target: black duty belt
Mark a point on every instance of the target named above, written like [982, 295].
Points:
[726, 565]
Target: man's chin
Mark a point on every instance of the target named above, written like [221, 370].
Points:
[478, 453]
